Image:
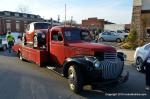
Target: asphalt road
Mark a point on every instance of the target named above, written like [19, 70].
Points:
[24, 80]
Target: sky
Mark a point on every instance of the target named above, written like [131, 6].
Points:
[117, 11]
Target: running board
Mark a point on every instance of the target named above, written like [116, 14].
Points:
[55, 69]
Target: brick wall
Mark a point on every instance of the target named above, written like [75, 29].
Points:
[97, 23]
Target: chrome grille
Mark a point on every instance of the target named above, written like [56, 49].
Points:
[111, 69]
[110, 56]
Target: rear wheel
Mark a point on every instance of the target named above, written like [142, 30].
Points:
[139, 64]
[101, 39]
[75, 79]
[20, 56]
[23, 39]
[4, 47]
[118, 40]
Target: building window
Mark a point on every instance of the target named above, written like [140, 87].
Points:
[17, 14]
[32, 16]
[38, 17]
[8, 26]
[8, 21]
[25, 24]
[7, 13]
[25, 15]
[17, 25]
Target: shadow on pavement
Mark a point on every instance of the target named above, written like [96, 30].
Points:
[6, 53]
[114, 92]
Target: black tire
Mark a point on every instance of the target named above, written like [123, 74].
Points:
[23, 40]
[20, 56]
[75, 79]
[4, 47]
[35, 42]
[118, 40]
[139, 64]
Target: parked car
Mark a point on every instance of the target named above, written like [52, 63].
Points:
[110, 36]
[3, 42]
[17, 36]
[140, 56]
[34, 31]
[122, 33]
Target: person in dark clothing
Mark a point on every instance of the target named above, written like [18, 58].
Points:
[147, 74]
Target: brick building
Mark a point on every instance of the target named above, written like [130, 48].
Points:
[15, 21]
[94, 23]
[141, 18]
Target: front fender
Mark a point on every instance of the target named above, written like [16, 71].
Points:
[121, 55]
[83, 64]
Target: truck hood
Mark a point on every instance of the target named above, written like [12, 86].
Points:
[93, 46]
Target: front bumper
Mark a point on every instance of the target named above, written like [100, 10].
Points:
[107, 72]
[120, 80]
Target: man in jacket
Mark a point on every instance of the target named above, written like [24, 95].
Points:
[10, 40]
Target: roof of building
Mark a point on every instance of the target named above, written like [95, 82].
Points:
[18, 14]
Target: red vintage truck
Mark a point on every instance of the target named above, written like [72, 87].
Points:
[69, 51]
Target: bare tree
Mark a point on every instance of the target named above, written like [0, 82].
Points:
[23, 9]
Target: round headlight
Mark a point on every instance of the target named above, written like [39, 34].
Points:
[43, 35]
[97, 64]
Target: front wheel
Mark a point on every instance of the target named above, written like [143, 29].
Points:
[139, 64]
[35, 42]
[75, 79]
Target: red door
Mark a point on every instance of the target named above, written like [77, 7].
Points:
[57, 47]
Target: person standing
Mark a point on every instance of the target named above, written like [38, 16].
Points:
[10, 40]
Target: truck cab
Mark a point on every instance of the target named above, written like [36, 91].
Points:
[83, 62]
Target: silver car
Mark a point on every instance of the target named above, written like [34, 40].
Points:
[3, 43]
[110, 36]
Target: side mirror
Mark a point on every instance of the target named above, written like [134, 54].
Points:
[148, 60]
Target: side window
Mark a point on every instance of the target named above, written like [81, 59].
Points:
[119, 31]
[104, 33]
[109, 34]
[85, 36]
[147, 47]
[57, 36]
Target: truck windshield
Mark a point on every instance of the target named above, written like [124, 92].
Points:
[77, 35]
[41, 25]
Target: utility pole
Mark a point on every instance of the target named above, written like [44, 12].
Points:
[58, 18]
[65, 14]
[71, 21]
[51, 22]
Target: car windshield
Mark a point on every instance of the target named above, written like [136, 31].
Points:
[77, 35]
[15, 34]
[41, 25]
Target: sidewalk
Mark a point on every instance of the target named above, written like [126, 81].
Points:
[129, 53]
